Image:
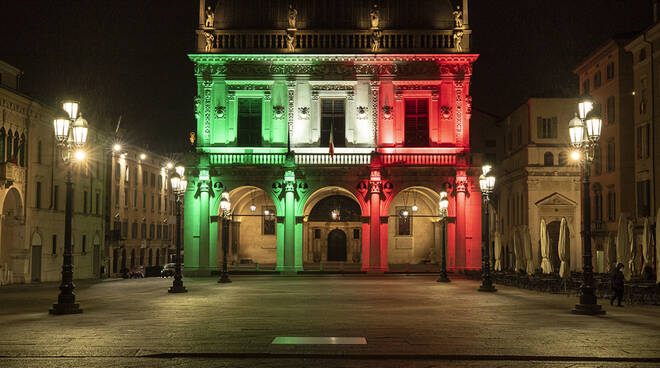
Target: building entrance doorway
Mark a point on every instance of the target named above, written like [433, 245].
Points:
[337, 246]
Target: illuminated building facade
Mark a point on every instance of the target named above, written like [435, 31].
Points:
[333, 127]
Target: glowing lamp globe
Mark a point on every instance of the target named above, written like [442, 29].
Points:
[61, 124]
[175, 180]
[415, 208]
[180, 170]
[594, 124]
[183, 185]
[444, 203]
[79, 130]
[576, 131]
[253, 207]
[585, 104]
[71, 108]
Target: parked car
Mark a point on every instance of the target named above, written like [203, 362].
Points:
[137, 272]
[168, 270]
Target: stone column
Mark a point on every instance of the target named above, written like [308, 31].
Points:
[289, 222]
[204, 240]
[373, 262]
[459, 244]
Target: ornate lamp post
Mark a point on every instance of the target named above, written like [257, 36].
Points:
[179, 186]
[225, 207]
[444, 203]
[584, 131]
[71, 134]
[487, 184]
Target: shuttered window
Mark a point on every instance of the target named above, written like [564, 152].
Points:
[333, 115]
[249, 122]
[546, 127]
[417, 122]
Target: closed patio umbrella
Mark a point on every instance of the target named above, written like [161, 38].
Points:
[564, 271]
[546, 266]
[631, 270]
[529, 257]
[646, 245]
[621, 241]
[610, 245]
[517, 249]
[498, 252]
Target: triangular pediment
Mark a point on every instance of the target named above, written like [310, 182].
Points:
[555, 199]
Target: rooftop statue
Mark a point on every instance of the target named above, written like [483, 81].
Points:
[375, 17]
[209, 41]
[293, 13]
[210, 16]
[458, 41]
[458, 17]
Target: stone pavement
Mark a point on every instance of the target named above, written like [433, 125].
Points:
[408, 321]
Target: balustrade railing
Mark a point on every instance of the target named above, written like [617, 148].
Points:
[338, 159]
[355, 40]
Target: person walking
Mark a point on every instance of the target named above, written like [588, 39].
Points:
[617, 285]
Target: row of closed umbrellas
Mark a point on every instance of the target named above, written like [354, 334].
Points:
[620, 249]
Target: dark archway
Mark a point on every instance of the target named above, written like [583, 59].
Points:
[337, 246]
[553, 237]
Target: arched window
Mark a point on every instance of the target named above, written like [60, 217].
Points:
[15, 147]
[3, 135]
[10, 139]
[548, 159]
[21, 151]
[563, 159]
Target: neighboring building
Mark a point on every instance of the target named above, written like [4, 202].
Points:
[537, 180]
[142, 218]
[388, 86]
[646, 116]
[33, 193]
[606, 75]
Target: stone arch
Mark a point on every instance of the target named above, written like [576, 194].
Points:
[13, 260]
[412, 235]
[316, 230]
[252, 234]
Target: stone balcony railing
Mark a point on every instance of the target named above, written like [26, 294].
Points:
[336, 41]
[11, 172]
[339, 159]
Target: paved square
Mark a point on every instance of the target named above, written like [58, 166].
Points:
[406, 320]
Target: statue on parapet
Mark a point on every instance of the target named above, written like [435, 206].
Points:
[375, 17]
[209, 41]
[375, 40]
[291, 42]
[458, 18]
[210, 17]
[293, 13]
[458, 40]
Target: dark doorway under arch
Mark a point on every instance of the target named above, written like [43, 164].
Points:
[337, 246]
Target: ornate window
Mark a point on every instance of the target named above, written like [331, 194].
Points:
[404, 221]
[417, 122]
[268, 225]
[333, 118]
[249, 122]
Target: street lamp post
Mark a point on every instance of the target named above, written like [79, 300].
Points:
[225, 207]
[487, 184]
[584, 131]
[71, 134]
[179, 185]
[444, 203]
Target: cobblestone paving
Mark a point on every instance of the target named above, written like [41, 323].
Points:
[408, 321]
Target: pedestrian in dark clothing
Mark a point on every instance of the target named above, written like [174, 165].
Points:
[617, 285]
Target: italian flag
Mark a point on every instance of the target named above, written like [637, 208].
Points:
[331, 145]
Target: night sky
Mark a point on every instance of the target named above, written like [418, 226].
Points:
[128, 57]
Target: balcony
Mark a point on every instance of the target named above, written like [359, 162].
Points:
[339, 159]
[11, 172]
[339, 41]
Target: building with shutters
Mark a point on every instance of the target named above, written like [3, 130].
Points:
[333, 126]
[537, 180]
[141, 209]
[32, 195]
